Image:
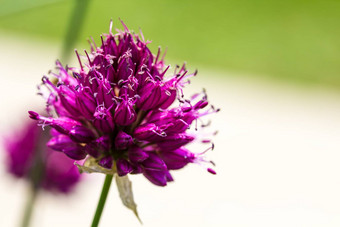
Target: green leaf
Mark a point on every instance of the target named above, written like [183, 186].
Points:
[91, 166]
[124, 186]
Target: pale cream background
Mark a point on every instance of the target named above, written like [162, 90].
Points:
[277, 156]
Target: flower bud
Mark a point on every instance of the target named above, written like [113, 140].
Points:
[123, 167]
[177, 159]
[103, 120]
[64, 144]
[125, 114]
[99, 146]
[106, 162]
[137, 154]
[86, 103]
[81, 134]
[168, 96]
[154, 163]
[105, 94]
[137, 169]
[159, 178]
[144, 132]
[61, 124]
[178, 126]
[201, 104]
[68, 100]
[148, 132]
[125, 67]
[175, 141]
[123, 140]
[28, 157]
[149, 96]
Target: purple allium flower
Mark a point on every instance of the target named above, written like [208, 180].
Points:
[29, 158]
[117, 109]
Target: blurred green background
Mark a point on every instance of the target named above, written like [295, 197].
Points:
[296, 41]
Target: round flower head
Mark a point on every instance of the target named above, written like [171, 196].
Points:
[29, 158]
[118, 110]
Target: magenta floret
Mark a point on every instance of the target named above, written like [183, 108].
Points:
[117, 108]
[29, 158]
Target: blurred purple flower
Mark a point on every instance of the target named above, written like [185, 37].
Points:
[29, 158]
[116, 109]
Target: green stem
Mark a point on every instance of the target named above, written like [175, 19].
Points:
[102, 200]
[29, 208]
[74, 27]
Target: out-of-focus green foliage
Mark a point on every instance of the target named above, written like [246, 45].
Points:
[293, 39]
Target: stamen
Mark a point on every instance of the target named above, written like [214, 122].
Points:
[162, 134]
[91, 45]
[76, 75]
[81, 65]
[101, 37]
[181, 77]
[208, 149]
[111, 23]
[183, 67]
[141, 35]
[88, 58]
[158, 53]
[45, 80]
[92, 78]
[94, 43]
[166, 50]
[206, 124]
[125, 27]
[111, 89]
[176, 67]
[163, 73]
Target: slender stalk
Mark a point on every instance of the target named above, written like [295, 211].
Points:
[102, 200]
[74, 28]
[29, 208]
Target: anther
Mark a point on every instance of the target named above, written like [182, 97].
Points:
[76, 75]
